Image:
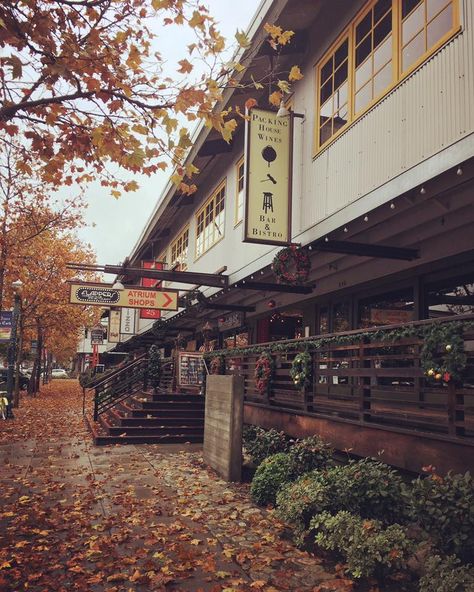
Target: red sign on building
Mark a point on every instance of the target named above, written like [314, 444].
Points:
[149, 313]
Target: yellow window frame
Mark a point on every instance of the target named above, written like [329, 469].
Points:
[239, 165]
[398, 74]
[207, 212]
[178, 248]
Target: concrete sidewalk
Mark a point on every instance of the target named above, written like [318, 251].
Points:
[131, 518]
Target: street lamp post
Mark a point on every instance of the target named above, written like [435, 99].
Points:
[17, 285]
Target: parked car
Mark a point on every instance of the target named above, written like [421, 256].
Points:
[24, 379]
[59, 373]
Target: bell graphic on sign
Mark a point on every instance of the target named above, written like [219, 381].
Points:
[269, 154]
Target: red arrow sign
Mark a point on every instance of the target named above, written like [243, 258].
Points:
[168, 300]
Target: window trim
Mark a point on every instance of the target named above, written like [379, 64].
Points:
[399, 75]
[222, 184]
[237, 222]
[178, 236]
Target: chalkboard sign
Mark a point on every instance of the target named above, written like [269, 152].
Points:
[190, 369]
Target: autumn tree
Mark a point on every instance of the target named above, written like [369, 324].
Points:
[84, 84]
[28, 209]
[46, 314]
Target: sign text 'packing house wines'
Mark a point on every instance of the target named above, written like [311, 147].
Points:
[130, 297]
[268, 181]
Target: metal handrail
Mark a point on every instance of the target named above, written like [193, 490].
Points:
[93, 385]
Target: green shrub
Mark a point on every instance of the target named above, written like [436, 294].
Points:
[368, 548]
[271, 474]
[309, 454]
[366, 487]
[249, 434]
[444, 507]
[298, 502]
[266, 443]
[447, 575]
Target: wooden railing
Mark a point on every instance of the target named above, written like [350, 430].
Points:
[366, 379]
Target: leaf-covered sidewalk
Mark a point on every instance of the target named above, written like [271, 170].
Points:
[129, 518]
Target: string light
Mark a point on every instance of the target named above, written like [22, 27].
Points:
[459, 172]
[326, 240]
[310, 248]
[346, 229]
[366, 218]
[422, 191]
[392, 206]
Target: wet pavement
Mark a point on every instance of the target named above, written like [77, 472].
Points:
[74, 516]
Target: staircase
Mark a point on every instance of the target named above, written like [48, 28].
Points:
[133, 414]
[146, 418]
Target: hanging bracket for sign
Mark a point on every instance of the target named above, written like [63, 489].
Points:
[130, 297]
[269, 162]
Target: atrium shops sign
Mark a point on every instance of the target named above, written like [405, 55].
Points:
[269, 179]
[130, 297]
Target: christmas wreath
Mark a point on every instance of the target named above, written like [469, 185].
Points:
[442, 354]
[300, 370]
[217, 365]
[291, 265]
[263, 373]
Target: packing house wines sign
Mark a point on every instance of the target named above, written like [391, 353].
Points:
[130, 297]
[269, 179]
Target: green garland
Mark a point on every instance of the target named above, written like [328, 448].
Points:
[154, 366]
[383, 335]
[301, 370]
[442, 356]
[263, 373]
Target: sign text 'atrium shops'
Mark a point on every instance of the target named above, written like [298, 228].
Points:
[130, 297]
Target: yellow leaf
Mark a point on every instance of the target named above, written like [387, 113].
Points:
[5, 565]
[229, 128]
[195, 542]
[275, 98]
[242, 39]
[222, 574]
[295, 74]
[257, 85]
[284, 86]
[118, 577]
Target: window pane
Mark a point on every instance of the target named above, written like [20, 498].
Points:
[440, 26]
[340, 117]
[363, 74]
[363, 50]
[340, 76]
[382, 79]
[363, 97]
[326, 70]
[363, 27]
[381, 8]
[434, 6]
[451, 297]
[341, 54]
[414, 23]
[326, 110]
[383, 29]
[383, 54]
[408, 6]
[340, 97]
[341, 317]
[393, 308]
[414, 50]
[326, 91]
[325, 132]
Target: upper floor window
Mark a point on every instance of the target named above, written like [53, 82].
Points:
[382, 45]
[179, 251]
[239, 202]
[210, 221]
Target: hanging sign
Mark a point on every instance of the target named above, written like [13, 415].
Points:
[6, 322]
[150, 313]
[97, 336]
[269, 159]
[130, 297]
[113, 335]
[232, 320]
[127, 321]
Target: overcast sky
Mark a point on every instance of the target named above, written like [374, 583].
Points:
[115, 225]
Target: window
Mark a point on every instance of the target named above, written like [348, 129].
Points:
[381, 46]
[179, 251]
[239, 201]
[210, 221]
[392, 308]
[450, 297]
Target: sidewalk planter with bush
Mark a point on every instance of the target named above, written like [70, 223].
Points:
[366, 514]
